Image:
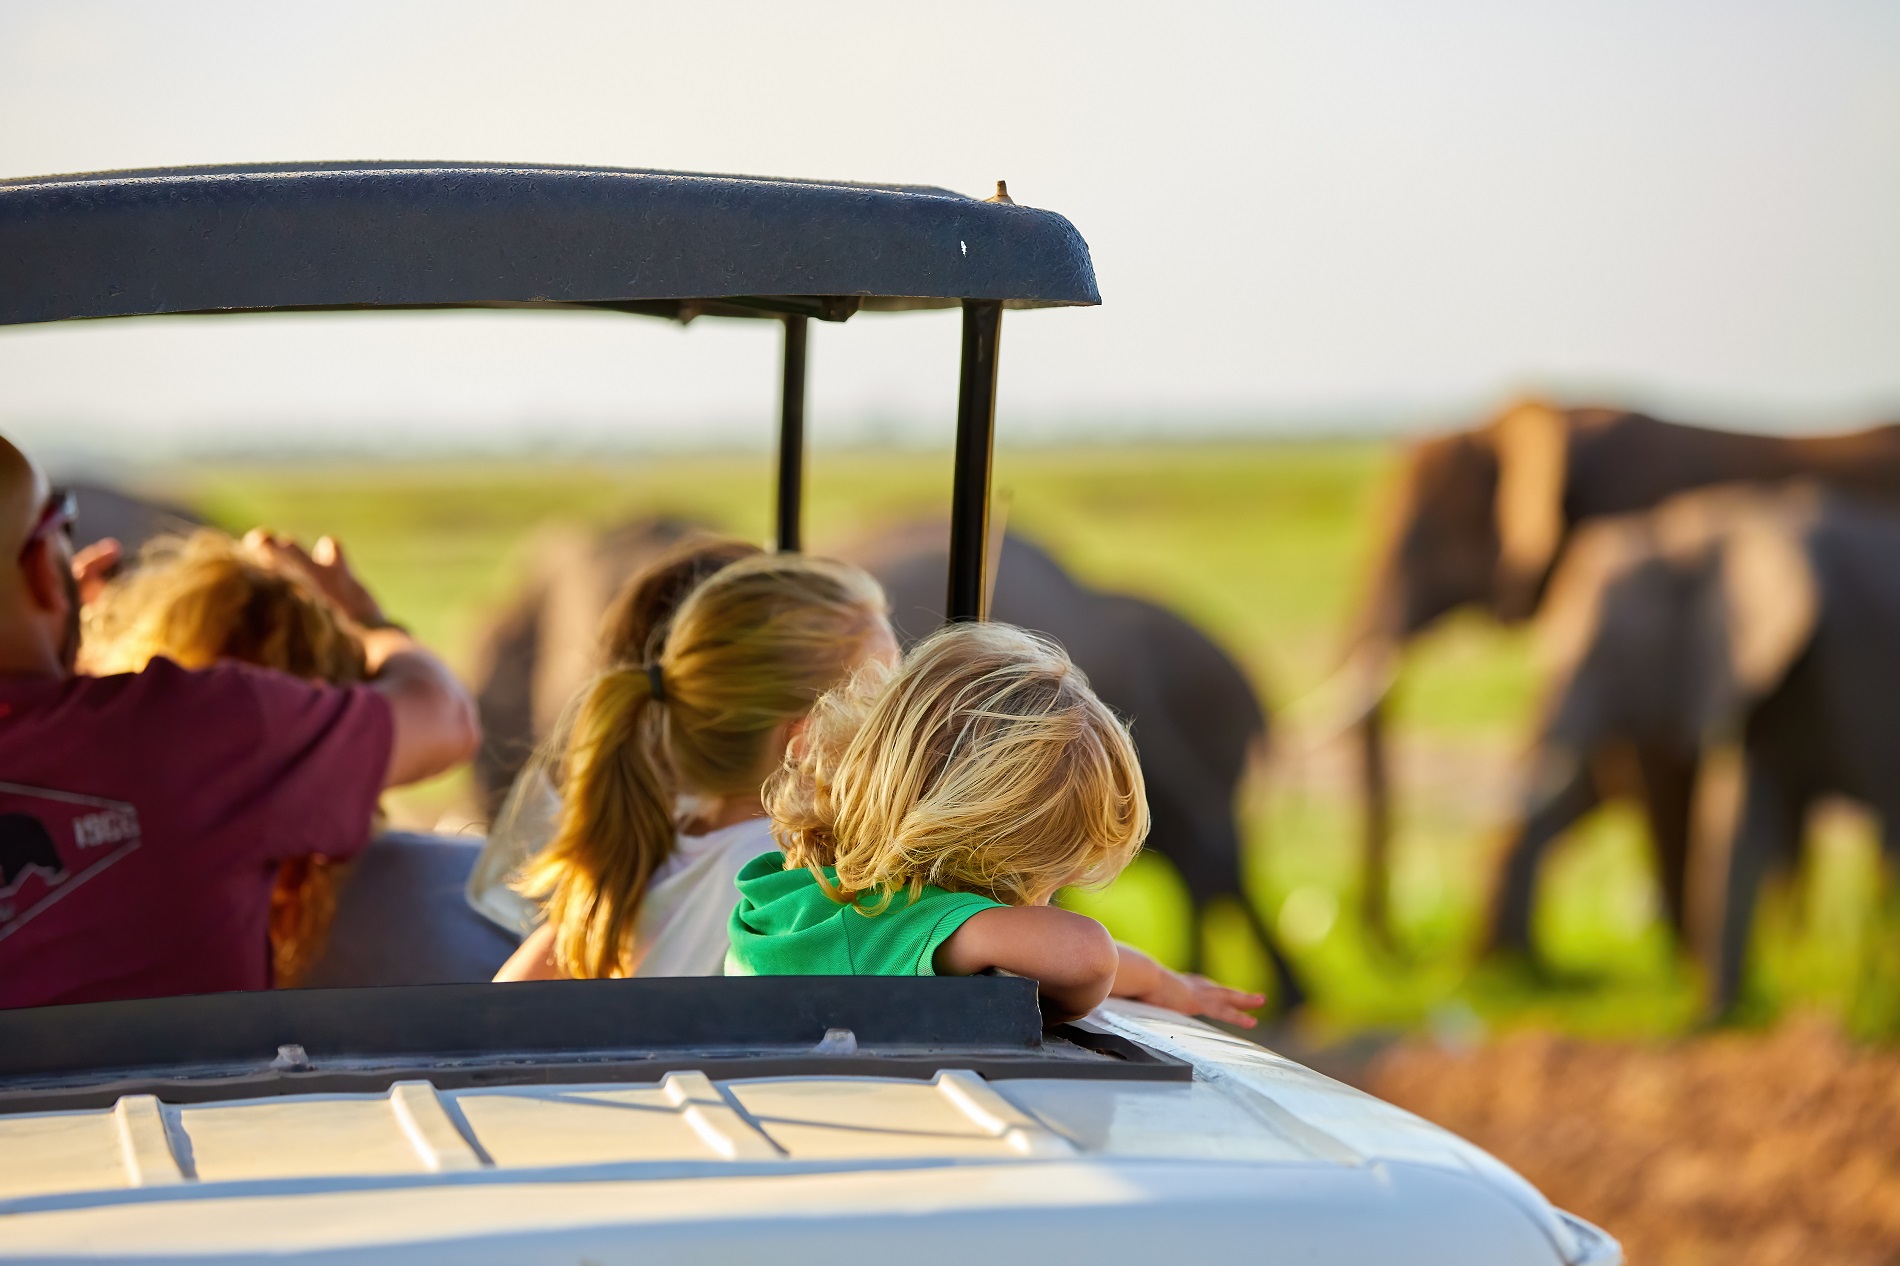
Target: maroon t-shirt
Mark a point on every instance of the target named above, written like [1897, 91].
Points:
[142, 818]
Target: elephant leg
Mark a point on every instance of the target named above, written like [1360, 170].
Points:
[1377, 845]
[1565, 790]
[1668, 786]
[1730, 876]
[1887, 878]
[1195, 827]
[1197, 929]
[1288, 993]
[504, 701]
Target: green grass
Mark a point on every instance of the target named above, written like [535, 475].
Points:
[1266, 546]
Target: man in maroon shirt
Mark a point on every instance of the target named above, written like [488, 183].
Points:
[142, 816]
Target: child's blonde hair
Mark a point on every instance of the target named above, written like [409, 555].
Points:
[201, 598]
[749, 650]
[984, 764]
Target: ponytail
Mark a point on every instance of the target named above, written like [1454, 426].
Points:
[616, 825]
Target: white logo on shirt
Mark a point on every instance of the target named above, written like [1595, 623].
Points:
[51, 842]
[93, 829]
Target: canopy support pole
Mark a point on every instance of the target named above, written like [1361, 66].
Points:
[791, 440]
[970, 490]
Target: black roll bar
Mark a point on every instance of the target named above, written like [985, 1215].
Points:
[968, 598]
[791, 439]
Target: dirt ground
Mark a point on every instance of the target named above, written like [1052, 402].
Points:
[1739, 1149]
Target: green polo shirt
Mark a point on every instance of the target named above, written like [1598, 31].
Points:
[785, 925]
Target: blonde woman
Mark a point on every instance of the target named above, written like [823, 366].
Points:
[203, 598]
[927, 820]
[662, 764]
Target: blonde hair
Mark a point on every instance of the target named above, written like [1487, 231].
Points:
[201, 598]
[750, 649]
[985, 764]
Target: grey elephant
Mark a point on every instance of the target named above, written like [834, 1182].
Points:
[131, 520]
[1197, 721]
[1760, 620]
[1482, 516]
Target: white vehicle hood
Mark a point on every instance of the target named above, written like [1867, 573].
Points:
[1257, 1159]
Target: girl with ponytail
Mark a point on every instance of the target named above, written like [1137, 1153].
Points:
[662, 762]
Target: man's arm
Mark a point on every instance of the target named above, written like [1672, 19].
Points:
[435, 725]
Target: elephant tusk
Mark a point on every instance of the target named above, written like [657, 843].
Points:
[1345, 699]
[1552, 770]
[993, 548]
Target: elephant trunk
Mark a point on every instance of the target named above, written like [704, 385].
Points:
[1562, 789]
[1345, 700]
[1354, 699]
[1377, 828]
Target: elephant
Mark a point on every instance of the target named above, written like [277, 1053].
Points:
[1483, 515]
[1197, 722]
[1754, 619]
[131, 520]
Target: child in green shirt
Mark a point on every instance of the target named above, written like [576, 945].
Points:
[927, 816]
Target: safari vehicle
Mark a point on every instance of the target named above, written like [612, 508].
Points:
[709, 1120]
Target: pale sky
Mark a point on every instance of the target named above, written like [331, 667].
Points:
[1309, 212]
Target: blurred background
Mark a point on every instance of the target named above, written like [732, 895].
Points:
[1323, 232]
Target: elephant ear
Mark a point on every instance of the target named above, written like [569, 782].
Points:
[1764, 603]
[1571, 617]
[1532, 441]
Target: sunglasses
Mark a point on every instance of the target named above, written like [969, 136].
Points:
[61, 509]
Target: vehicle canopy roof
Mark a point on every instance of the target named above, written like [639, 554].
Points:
[429, 234]
[382, 235]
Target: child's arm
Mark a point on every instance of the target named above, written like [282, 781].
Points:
[1077, 964]
[1141, 978]
[1071, 957]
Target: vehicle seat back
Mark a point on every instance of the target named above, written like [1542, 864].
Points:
[402, 918]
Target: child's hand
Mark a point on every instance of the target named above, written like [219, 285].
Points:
[1197, 995]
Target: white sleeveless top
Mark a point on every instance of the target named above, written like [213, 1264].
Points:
[681, 927]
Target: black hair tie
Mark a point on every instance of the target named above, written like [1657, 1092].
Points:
[657, 682]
